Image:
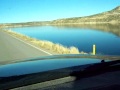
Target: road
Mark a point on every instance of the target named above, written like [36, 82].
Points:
[12, 49]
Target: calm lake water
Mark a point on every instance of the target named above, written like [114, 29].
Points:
[106, 39]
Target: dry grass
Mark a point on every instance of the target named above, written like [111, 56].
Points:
[57, 48]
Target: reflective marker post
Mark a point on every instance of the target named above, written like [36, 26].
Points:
[94, 49]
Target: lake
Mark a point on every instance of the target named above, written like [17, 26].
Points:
[105, 37]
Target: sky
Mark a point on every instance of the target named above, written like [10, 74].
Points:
[15, 11]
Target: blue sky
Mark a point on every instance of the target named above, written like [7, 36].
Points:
[13, 11]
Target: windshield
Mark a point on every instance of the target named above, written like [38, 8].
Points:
[46, 40]
[30, 29]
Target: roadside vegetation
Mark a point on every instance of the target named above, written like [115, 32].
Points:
[56, 48]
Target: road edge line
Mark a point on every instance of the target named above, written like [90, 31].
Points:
[31, 45]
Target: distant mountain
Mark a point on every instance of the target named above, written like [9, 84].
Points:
[112, 16]
[24, 24]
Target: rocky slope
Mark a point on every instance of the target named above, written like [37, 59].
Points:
[112, 16]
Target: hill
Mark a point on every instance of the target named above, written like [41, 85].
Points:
[24, 24]
[112, 16]
[109, 17]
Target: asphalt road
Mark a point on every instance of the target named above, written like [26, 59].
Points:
[12, 49]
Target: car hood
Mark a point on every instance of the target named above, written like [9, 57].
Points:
[42, 64]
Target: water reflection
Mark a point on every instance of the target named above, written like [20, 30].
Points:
[115, 29]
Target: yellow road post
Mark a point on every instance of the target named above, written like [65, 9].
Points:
[94, 49]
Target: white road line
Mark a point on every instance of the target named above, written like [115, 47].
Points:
[31, 45]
